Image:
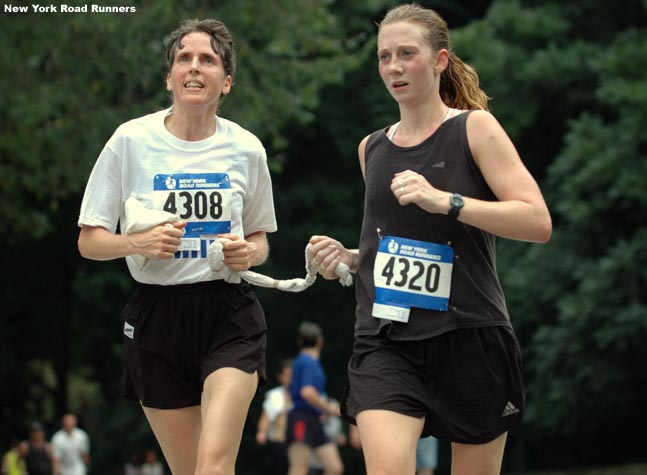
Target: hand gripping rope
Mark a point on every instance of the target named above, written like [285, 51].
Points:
[139, 218]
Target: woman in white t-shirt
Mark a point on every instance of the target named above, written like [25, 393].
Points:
[151, 465]
[194, 346]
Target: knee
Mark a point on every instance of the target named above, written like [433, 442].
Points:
[337, 469]
[215, 470]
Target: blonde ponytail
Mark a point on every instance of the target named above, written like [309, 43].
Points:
[459, 86]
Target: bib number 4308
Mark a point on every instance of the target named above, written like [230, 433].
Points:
[411, 274]
[199, 204]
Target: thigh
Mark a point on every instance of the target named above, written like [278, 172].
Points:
[178, 434]
[299, 456]
[389, 441]
[329, 457]
[225, 402]
[478, 459]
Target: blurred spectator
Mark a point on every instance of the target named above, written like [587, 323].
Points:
[273, 421]
[151, 465]
[12, 461]
[134, 465]
[353, 438]
[309, 403]
[38, 453]
[427, 456]
[71, 447]
[334, 429]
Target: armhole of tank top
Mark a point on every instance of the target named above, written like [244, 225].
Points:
[464, 138]
[371, 139]
[473, 165]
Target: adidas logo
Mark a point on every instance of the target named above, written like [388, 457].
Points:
[129, 330]
[509, 409]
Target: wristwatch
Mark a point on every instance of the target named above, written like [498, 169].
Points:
[456, 202]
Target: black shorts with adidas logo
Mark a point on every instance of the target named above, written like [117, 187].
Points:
[466, 383]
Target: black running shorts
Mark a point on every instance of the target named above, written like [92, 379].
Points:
[305, 427]
[466, 383]
[175, 336]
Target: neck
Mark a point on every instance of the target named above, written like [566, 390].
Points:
[191, 126]
[419, 122]
[314, 352]
[423, 118]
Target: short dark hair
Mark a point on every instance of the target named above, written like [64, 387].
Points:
[284, 364]
[221, 41]
[36, 426]
[308, 335]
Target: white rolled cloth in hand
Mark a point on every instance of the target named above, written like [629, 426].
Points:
[139, 218]
[216, 262]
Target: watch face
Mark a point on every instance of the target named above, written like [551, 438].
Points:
[456, 200]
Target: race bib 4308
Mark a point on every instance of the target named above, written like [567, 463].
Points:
[409, 273]
[203, 200]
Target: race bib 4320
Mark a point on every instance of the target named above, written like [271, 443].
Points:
[409, 273]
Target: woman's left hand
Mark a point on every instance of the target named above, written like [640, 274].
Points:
[239, 253]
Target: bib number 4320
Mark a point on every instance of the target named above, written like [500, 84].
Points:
[411, 274]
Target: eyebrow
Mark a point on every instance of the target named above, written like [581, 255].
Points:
[399, 47]
[210, 53]
[181, 46]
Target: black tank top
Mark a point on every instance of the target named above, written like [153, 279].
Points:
[37, 461]
[445, 160]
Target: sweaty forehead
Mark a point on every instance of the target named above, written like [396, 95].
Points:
[197, 39]
[400, 33]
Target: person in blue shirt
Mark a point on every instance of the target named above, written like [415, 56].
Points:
[310, 407]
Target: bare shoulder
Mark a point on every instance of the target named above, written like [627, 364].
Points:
[482, 123]
[487, 138]
[362, 146]
[361, 149]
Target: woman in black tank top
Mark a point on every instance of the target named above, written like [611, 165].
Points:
[37, 452]
[434, 352]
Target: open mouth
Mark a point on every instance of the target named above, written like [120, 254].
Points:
[399, 84]
[193, 85]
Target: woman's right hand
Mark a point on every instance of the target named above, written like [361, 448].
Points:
[326, 253]
[159, 242]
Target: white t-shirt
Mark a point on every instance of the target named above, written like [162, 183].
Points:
[277, 404]
[69, 449]
[153, 468]
[218, 185]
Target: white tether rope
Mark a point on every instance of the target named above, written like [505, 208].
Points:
[139, 218]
